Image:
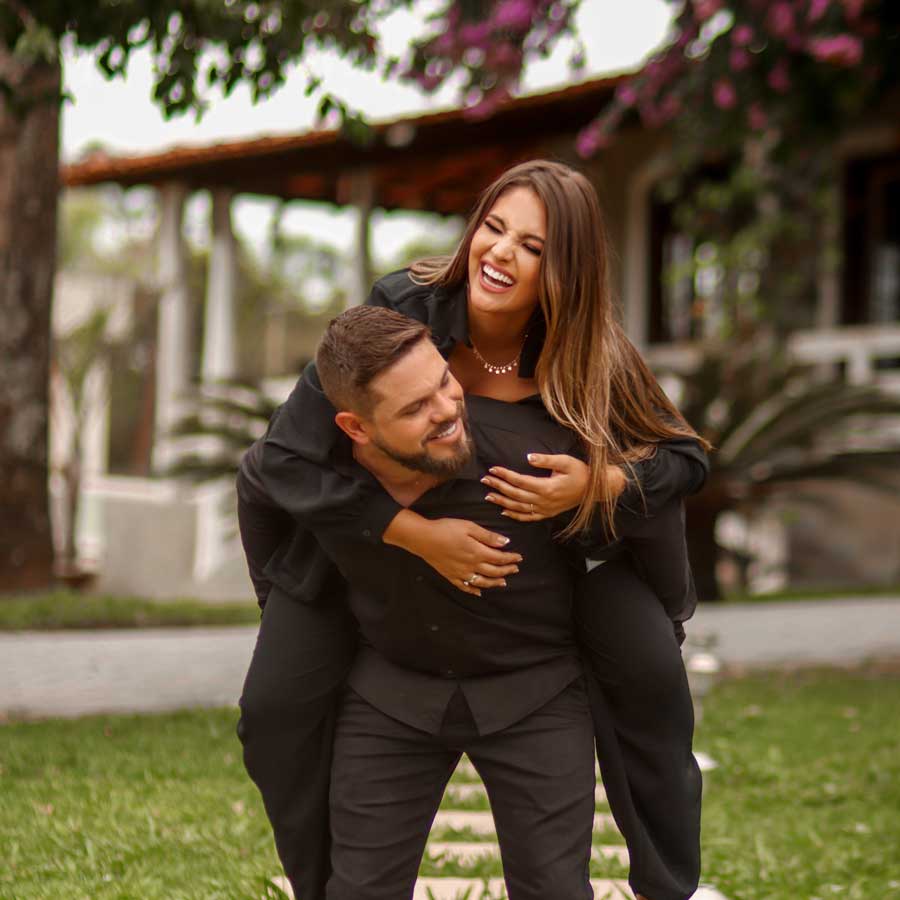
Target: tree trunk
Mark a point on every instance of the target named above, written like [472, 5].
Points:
[29, 162]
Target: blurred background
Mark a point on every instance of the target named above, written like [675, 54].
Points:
[189, 192]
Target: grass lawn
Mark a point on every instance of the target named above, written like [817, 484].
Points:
[67, 609]
[804, 803]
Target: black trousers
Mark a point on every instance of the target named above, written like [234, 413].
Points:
[640, 703]
[388, 779]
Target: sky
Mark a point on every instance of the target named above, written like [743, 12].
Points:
[121, 115]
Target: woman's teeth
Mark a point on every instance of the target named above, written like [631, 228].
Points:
[496, 276]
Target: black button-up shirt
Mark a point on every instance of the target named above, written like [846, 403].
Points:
[511, 649]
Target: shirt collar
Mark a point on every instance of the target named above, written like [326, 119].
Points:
[450, 326]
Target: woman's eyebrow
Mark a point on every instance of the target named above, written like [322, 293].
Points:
[500, 219]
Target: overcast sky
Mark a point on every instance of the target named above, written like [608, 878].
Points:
[121, 115]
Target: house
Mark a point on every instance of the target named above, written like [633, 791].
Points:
[438, 163]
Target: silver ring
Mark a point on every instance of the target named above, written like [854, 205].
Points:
[471, 581]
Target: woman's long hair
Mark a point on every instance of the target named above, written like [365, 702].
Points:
[591, 377]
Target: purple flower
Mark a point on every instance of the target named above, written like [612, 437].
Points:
[781, 19]
[477, 34]
[738, 59]
[626, 94]
[706, 9]
[589, 141]
[842, 49]
[724, 94]
[742, 35]
[817, 9]
[756, 117]
[505, 56]
[516, 15]
[779, 78]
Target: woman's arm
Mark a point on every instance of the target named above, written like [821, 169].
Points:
[296, 470]
[678, 468]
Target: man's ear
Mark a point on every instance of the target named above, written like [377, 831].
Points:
[353, 426]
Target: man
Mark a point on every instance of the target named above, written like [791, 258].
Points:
[440, 672]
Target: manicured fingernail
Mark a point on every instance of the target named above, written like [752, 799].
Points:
[530, 457]
[503, 583]
[504, 513]
[489, 497]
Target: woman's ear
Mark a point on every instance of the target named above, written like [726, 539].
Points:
[353, 426]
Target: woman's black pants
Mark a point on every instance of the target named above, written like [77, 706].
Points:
[640, 702]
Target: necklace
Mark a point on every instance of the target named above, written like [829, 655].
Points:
[499, 370]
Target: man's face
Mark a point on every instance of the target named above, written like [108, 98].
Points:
[419, 418]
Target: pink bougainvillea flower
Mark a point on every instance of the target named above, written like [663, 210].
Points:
[516, 15]
[706, 9]
[505, 56]
[475, 34]
[817, 9]
[626, 94]
[841, 50]
[779, 78]
[756, 117]
[853, 8]
[742, 35]
[780, 19]
[488, 104]
[724, 94]
[739, 59]
[588, 142]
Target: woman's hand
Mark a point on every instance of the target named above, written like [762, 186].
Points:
[528, 498]
[466, 554]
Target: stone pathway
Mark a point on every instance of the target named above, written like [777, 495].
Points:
[75, 673]
[462, 858]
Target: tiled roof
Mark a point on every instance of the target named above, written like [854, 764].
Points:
[436, 161]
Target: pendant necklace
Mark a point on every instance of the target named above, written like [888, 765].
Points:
[498, 370]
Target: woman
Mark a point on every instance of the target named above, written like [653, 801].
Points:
[524, 307]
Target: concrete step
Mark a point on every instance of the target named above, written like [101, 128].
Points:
[453, 888]
[466, 852]
[460, 793]
[483, 822]
[456, 888]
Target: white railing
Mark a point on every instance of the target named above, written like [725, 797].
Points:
[857, 347]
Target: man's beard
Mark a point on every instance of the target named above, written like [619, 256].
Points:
[425, 462]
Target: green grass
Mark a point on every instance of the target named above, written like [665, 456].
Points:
[803, 805]
[67, 609]
[805, 801]
[820, 593]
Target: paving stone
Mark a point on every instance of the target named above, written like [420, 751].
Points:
[466, 852]
[483, 822]
[455, 888]
[459, 793]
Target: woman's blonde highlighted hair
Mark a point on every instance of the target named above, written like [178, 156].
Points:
[591, 377]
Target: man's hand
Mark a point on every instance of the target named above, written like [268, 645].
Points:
[528, 498]
[455, 548]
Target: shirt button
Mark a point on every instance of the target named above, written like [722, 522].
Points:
[366, 533]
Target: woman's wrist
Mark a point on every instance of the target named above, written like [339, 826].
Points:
[405, 531]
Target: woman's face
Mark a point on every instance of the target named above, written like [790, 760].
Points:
[505, 254]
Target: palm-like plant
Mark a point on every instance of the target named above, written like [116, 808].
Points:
[773, 421]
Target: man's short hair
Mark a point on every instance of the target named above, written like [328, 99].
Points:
[358, 345]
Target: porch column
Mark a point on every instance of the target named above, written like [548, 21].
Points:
[173, 341]
[219, 360]
[362, 196]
